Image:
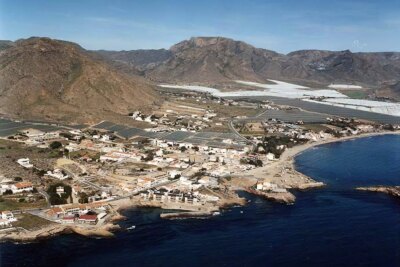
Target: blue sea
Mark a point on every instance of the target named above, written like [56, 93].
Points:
[332, 226]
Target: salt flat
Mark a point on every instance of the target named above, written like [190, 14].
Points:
[280, 89]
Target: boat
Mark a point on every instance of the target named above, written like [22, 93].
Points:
[131, 227]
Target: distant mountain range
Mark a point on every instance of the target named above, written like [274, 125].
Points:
[45, 78]
[218, 60]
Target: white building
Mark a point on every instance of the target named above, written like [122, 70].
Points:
[22, 187]
[270, 156]
[60, 190]
[174, 173]
[183, 181]
[58, 174]
[267, 186]
[7, 215]
[24, 162]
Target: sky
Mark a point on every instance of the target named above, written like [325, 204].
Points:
[283, 26]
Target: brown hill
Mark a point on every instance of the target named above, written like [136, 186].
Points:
[214, 59]
[44, 78]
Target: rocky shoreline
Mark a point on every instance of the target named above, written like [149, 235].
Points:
[390, 190]
[23, 236]
[287, 197]
[186, 215]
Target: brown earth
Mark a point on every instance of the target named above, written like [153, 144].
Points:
[43, 78]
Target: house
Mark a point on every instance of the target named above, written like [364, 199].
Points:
[207, 197]
[159, 153]
[68, 219]
[139, 140]
[119, 156]
[213, 158]
[174, 173]
[208, 181]
[105, 138]
[183, 181]
[145, 182]
[74, 209]
[270, 156]
[24, 162]
[71, 210]
[60, 190]
[39, 136]
[22, 187]
[55, 212]
[71, 147]
[7, 215]
[88, 219]
[58, 174]
[267, 186]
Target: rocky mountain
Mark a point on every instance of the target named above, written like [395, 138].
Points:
[371, 69]
[219, 60]
[216, 58]
[45, 78]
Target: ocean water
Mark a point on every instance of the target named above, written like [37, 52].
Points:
[333, 226]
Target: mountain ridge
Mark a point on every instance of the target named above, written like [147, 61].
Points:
[54, 79]
[219, 59]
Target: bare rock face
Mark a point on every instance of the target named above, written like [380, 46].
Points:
[45, 78]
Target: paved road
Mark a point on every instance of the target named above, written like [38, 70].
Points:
[45, 195]
[233, 130]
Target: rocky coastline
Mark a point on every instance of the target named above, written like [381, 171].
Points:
[390, 190]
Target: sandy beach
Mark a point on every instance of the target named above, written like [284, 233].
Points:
[283, 172]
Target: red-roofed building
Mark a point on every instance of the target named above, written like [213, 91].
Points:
[55, 212]
[22, 187]
[89, 219]
[68, 219]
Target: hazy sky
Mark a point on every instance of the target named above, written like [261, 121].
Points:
[282, 25]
